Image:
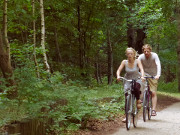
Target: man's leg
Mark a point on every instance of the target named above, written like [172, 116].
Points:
[154, 100]
[153, 87]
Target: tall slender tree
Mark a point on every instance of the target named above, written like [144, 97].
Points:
[5, 37]
[34, 39]
[43, 36]
[5, 59]
[110, 58]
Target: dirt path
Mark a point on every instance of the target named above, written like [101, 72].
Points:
[164, 110]
[167, 122]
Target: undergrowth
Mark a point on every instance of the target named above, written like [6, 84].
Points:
[68, 104]
[170, 88]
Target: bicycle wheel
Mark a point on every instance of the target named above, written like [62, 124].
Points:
[128, 112]
[149, 106]
[135, 112]
[144, 105]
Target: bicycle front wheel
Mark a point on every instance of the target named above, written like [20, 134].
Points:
[149, 105]
[135, 112]
[128, 111]
[144, 105]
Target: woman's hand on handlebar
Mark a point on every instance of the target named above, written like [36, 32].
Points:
[118, 79]
[143, 79]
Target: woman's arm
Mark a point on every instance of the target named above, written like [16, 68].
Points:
[118, 73]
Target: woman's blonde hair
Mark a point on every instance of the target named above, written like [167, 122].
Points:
[132, 49]
[146, 46]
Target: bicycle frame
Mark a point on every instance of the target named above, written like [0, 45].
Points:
[130, 106]
[132, 96]
[147, 100]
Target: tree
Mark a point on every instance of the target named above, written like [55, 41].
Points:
[6, 68]
[5, 61]
[34, 39]
[110, 58]
[43, 36]
[5, 37]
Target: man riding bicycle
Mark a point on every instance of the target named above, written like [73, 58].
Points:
[152, 66]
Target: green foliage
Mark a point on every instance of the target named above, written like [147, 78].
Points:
[171, 87]
[84, 104]
[67, 105]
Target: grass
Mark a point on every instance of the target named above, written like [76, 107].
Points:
[106, 91]
[174, 95]
[169, 89]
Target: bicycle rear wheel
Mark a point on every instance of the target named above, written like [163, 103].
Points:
[135, 112]
[144, 105]
[128, 111]
[149, 106]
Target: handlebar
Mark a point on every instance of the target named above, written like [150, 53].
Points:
[149, 77]
[146, 77]
[122, 78]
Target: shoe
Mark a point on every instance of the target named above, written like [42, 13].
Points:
[124, 120]
[153, 113]
[138, 104]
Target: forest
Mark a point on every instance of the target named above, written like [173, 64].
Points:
[58, 58]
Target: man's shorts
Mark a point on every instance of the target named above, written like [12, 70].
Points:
[153, 84]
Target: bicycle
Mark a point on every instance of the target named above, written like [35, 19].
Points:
[147, 100]
[130, 104]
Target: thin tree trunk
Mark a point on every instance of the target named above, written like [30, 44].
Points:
[43, 36]
[110, 59]
[5, 37]
[34, 40]
[81, 64]
[98, 71]
[57, 46]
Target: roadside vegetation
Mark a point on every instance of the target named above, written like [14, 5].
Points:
[169, 89]
[67, 103]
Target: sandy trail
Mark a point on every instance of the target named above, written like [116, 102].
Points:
[167, 122]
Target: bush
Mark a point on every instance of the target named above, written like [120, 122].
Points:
[171, 87]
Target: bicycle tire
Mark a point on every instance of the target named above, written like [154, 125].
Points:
[128, 113]
[150, 106]
[135, 112]
[144, 105]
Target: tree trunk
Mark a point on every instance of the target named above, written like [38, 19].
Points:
[5, 58]
[43, 36]
[57, 46]
[97, 70]
[140, 40]
[5, 37]
[81, 63]
[34, 40]
[110, 59]
[6, 69]
[131, 36]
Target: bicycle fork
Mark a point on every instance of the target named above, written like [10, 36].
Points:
[131, 110]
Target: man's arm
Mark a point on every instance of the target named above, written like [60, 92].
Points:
[158, 64]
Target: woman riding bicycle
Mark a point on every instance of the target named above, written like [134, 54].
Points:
[132, 66]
